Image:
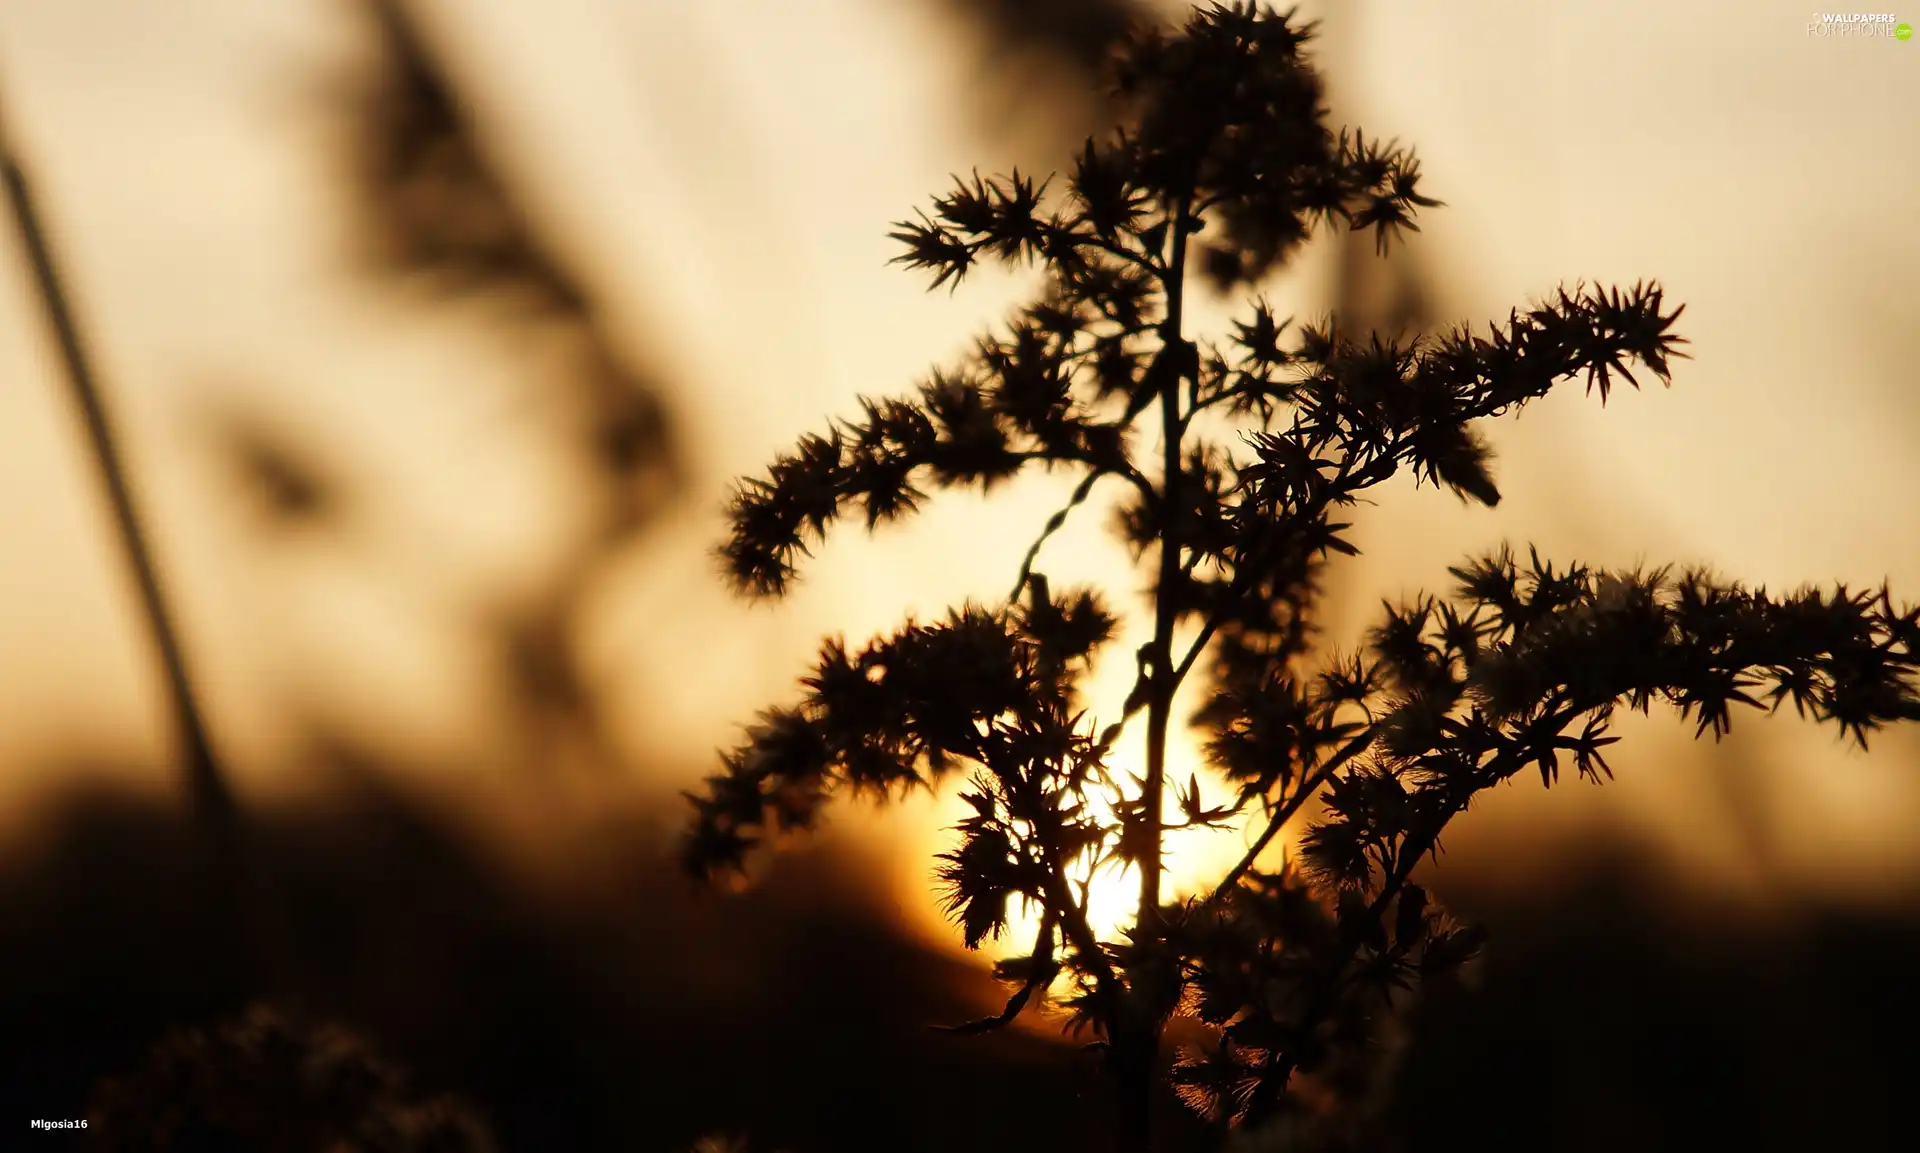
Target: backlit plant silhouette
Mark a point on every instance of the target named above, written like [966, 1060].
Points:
[1223, 169]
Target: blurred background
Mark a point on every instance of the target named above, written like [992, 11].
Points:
[433, 331]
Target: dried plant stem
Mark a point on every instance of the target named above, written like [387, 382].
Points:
[209, 795]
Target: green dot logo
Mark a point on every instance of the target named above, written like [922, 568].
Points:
[1903, 31]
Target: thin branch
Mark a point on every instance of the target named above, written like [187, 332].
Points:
[1131, 474]
[1042, 973]
[1277, 820]
[1268, 389]
[207, 788]
[254, 945]
[1144, 261]
[1160, 704]
[1342, 487]
[1054, 524]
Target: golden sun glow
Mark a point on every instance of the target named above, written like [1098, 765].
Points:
[1193, 861]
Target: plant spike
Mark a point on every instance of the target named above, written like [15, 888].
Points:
[1224, 168]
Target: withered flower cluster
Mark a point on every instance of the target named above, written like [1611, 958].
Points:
[269, 1082]
[1225, 166]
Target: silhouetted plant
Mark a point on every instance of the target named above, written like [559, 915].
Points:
[1223, 169]
[267, 1083]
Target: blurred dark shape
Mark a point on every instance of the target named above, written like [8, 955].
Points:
[432, 201]
[270, 1083]
[1074, 34]
[233, 910]
[434, 205]
[433, 212]
[1040, 62]
[1608, 1018]
[629, 1012]
[1391, 295]
[623, 431]
[289, 482]
[632, 1013]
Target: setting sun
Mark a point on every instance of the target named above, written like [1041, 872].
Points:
[537, 612]
[1194, 857]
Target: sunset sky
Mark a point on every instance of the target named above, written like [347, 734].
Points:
[722, 177]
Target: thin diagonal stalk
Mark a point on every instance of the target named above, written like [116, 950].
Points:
[207, 788]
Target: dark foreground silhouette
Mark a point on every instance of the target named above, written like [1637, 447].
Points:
[650, 1013]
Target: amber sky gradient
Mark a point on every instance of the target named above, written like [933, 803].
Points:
[723, 176]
